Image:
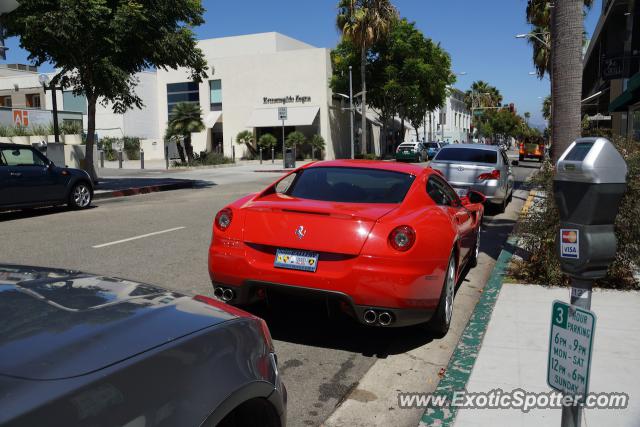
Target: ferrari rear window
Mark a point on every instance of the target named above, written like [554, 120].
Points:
[472, 155]
[351, 185]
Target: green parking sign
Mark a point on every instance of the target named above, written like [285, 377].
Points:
[570, 346]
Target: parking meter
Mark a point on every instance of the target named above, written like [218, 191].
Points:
[590, 182]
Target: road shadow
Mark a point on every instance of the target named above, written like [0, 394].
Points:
[127, 183]
[494, 236]
[309, 324]
[13, 215]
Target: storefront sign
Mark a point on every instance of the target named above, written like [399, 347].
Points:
[297, 99]
[598, 117]
[21, 118]
[612, 68]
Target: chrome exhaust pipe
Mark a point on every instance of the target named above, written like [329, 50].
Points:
[227, 295]
[384, 319]
[217, 292]
[370, 317]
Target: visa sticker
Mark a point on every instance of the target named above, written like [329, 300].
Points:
[569, 243]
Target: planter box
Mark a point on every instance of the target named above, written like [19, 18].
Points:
[52, 139]
[73, 139]
[24, 140]
[37, 139]
[5, 139]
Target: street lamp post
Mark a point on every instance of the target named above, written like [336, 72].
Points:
[351, 110]
[46, 81]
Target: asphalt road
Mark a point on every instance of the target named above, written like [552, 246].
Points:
[321, 361]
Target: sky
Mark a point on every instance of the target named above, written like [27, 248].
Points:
[479, 36]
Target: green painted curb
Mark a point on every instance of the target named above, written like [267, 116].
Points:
[466, 352]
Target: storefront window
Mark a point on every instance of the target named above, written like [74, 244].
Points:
[182, 92]
[215, 87]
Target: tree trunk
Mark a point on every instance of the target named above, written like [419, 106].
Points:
[188, 148]
[363, 137]
[180, 149]
[91, 137]
[566, 38]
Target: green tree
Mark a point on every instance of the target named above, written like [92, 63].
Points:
[246, 138]
[267, 141]
[363, 23]
[295, 139]
[527, 116]
[185, 119]
[482, 95]
[99, 45]
[317, 143]
[546, 108]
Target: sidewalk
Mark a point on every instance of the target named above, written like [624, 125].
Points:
[514, 355]
[131, 180]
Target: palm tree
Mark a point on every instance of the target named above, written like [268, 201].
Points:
[567, 32]
[186, 118]
[546, 108]
[527, 116]
[246, 138]
[317, 143]
[482, 95]
[363, 23]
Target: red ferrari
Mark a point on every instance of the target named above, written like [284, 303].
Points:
[386, 241]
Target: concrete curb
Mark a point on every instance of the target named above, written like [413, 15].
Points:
[143, 190]
[466, 352]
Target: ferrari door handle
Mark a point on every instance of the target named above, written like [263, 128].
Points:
[15, 174]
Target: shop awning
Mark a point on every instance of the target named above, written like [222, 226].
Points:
[628, 97]
[212, 118]
[296, 116]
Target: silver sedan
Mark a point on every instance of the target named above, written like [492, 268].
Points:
[484, 168]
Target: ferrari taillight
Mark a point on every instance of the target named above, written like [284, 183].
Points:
[402, 238]
[223, 219]
[494, 174]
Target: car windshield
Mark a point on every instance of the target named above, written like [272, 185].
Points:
[351, 185]
[472, 155]
[431, 145]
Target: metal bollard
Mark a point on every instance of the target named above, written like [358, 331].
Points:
[273, 155]
[313, 153]
[141, 158]
[261, 156]
[166, 156]
[119, 159]
[234, 153]
[102, 159]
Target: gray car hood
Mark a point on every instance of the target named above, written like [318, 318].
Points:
[58, 324]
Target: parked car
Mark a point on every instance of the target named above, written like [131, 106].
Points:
[384, 242]
[79, 349]
[28, 179]
[411, 151]
[432, 149]
[483, 168]
[532, 149]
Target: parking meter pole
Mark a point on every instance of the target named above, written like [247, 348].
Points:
[580, 297]
[141, 159]
[284, 161]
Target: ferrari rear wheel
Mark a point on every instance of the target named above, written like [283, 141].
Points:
[441, 320]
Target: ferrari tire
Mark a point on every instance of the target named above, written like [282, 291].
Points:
[441, 320]
[473, 262]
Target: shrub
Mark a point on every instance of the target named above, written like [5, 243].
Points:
[206, 159]
[71, 127]
[295, 139]
[132, 147]
[368, 156]
[267, 141]
[6, 131]
[538, 229]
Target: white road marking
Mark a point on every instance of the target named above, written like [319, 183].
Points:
[137, 237]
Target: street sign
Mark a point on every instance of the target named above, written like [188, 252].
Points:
[478, 113]
[282, 113]
[570, 345]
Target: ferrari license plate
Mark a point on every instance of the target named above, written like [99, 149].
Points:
[296, 260]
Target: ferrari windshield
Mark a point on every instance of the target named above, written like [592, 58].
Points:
[351, 185]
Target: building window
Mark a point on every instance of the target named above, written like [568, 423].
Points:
[215, 88]
[71, 102]
[182, 92]
[5, 101]
[33, 100]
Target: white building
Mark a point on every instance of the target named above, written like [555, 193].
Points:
[450, 123]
